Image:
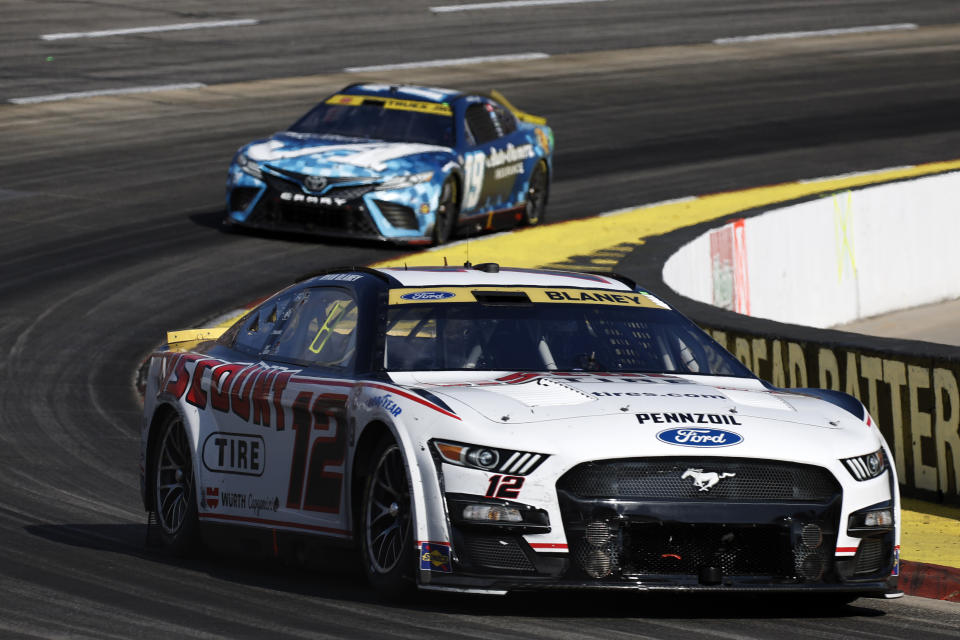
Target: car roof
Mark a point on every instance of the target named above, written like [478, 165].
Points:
[490, 274]
[402, 92]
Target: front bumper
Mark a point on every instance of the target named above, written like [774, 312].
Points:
[688, 542]
[277, 203]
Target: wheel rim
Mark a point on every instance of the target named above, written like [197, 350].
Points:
[536, 195]
[387, 512]
[444, 221]
[174, 482]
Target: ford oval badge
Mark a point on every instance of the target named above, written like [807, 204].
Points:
[427, 295]
[692, 437]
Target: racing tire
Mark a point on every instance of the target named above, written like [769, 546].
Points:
[386, 538]
[447, 212]
[174, 489]
[538, 191]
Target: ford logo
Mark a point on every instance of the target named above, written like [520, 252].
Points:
[691, 437]
[427, 295]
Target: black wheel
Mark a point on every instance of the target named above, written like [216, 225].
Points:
[537, 193]
[174, 488]
[387, 550]
[447, 211]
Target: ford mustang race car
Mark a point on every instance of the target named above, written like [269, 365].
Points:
[491, 429]
[400, 163]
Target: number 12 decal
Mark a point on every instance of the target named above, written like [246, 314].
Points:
[314, 485]
[504, 487]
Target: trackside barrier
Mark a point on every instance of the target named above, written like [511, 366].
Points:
[911, 388]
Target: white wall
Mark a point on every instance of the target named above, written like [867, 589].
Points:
[833, 260]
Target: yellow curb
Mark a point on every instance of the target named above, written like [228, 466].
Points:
[931, 533]
[555, 243]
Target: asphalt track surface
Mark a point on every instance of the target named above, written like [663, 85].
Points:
[110, 211]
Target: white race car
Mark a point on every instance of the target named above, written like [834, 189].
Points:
[490, 429]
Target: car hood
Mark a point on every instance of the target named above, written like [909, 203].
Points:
[333, 156]
[654, 399]
[609, 416]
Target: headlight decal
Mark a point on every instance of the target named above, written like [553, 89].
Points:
[472, 456]
[868, 466]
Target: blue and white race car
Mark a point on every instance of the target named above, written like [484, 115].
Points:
[405, 164]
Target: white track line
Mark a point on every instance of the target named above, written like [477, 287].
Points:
[167, 27]
[816, 34]
[508, 4]
[105, 92]
[450, 62]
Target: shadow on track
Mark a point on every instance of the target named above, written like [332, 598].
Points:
[337, 576]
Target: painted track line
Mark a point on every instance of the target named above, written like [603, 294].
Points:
[451, 62]
[55, 97]
[906, 26]
[185, 26]
[506, 4]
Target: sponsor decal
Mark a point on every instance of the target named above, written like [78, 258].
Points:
[595, 297]
[687, 418]
[651, 394]
[704, 480]
[686, 437]
[233, 500]
[251, 392]
[509, 155]
[437, 108]
[896, 561]
[535, 294]
[320, 201]
[435, 556]
[386, 403]
[234, 453]
[212, 497]
[248, 502]
[427, 295]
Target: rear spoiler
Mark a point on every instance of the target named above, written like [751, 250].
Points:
[186, 339]
[521, 115]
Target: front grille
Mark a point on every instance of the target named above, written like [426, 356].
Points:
[869, 556]
[701, 479]
[497, 552]
[688, 549]
[313, 216]
[398, 215]
[349, 193]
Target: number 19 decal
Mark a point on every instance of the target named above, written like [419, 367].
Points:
[473, 166]
[504, 487]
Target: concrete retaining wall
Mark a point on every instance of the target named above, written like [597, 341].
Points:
[831, 260]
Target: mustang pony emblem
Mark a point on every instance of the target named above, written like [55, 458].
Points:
[704, 481]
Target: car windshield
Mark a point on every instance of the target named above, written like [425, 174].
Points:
[373, 121]
[531, 336]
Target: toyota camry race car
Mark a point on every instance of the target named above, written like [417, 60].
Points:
[400, 163]
[492, 429]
